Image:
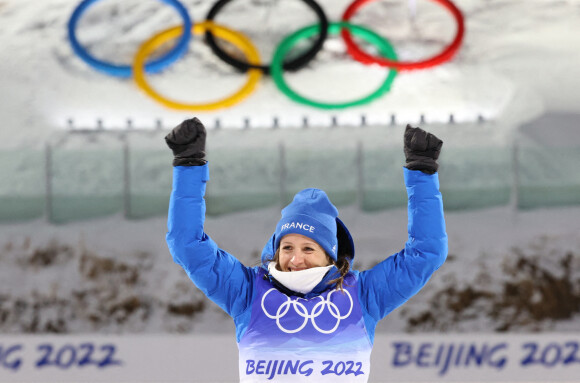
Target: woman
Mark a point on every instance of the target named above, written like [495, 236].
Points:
[304, 314]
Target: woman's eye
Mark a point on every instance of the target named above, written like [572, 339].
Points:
[287, 248]
[308, 249]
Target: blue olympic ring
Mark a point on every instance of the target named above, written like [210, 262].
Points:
[125, 71]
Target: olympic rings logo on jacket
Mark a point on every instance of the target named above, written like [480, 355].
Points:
[301, 310]
[253, 66]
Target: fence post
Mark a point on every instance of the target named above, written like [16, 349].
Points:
[126, 180]
[48, 207]
[360, 175]
[515, 187]
[282, 167]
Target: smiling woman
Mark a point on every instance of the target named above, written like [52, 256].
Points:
[304, 309]
[297, 253]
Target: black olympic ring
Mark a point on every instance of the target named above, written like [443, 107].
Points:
[291, 65]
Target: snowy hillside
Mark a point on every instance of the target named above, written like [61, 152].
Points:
[516, 61]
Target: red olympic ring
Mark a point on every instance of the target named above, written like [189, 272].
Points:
[361, 56]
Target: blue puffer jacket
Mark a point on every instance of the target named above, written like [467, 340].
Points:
[259, 308]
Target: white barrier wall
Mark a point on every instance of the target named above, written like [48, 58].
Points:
[213, 358]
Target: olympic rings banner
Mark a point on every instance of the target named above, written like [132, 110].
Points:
[542, 357]
[298, 308]
[194, 31]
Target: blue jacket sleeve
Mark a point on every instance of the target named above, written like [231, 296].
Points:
[393, 281]
[218, 274]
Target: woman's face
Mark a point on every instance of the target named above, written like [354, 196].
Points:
[298, 252]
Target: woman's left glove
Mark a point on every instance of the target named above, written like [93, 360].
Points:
[187, 141]
[421, 150]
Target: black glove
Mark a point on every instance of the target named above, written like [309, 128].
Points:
[421, 150]
[187, 141]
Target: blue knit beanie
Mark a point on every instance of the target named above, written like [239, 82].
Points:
[313, 215]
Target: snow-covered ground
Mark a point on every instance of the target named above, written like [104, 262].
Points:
[116, 276]
[516, 62]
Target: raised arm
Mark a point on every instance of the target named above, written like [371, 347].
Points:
[393, 281]
[215, 272]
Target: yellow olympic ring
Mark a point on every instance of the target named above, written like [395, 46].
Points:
[236, 38]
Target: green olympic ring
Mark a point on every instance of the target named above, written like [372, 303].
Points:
[369, 36]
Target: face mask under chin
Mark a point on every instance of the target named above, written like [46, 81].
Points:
[303, 281]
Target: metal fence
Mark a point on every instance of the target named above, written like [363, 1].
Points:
[93, 177]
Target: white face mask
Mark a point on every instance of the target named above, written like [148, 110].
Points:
[302, 281]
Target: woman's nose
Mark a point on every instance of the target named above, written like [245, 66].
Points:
[297, 258]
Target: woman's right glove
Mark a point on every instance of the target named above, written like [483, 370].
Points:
[421, 150]
[187, 141]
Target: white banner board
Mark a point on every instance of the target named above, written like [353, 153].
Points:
[213, 358]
